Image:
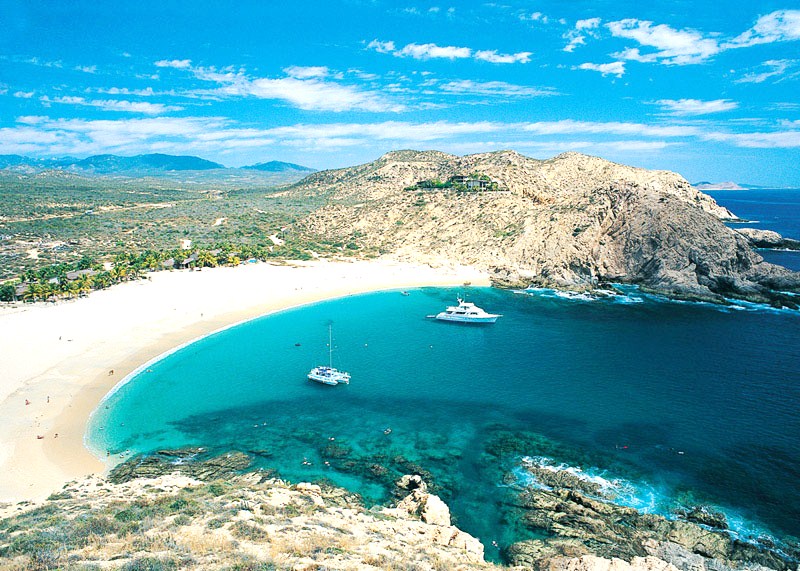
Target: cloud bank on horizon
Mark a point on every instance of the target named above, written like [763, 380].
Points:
[710, 93]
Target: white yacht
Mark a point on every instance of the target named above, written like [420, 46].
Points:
[326, 374]
[466, 312]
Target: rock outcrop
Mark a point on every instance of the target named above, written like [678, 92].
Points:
[255, 521]
[768, 239]
[576, 519]
[570, 222]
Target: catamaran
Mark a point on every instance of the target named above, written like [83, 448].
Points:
[326, 374]
[466, 312]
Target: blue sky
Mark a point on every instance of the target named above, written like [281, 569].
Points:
[709, 90]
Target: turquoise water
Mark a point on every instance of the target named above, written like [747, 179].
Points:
[687, 402]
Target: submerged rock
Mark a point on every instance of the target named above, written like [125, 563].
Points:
[184, 461]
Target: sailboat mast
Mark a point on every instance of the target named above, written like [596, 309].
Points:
[330, 346]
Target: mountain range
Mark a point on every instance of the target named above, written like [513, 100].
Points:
[154, 164]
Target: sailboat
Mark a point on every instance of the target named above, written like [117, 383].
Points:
[327, 375]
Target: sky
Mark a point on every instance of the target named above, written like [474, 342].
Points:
[707, 89]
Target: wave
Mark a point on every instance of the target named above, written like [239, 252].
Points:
[625, 294]
[641, 496]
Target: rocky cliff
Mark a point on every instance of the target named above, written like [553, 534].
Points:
[572, 222]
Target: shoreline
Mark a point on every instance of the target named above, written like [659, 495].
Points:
[64, 359]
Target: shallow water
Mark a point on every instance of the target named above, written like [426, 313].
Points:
[686, 402]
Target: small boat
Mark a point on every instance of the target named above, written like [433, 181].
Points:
[326, 374]
[466, 312]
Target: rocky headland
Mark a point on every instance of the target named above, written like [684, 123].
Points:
[768, 239]
[181, 510]
[570, 222]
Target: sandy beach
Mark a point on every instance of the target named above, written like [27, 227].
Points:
[59, 360]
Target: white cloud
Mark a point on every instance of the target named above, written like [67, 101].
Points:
[570, 127]
[147, 92]
[381, 47]
[614, 68]
[117, 105]
[495, 88]
[23, 94]
[434, 51]
[212, 136]
[493, 57]
[430, 51]
[312, 94]
[301, 72]
[683, 107]
[577, 36]
[772, 140]
[306, 88]
[176, 63]
[86, 68]
[535, 17]
[672, 47]
[778, 26]
[776, 68]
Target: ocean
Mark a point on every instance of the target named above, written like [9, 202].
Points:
[672, 403]
[776, 210]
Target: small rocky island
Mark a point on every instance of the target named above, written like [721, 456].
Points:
[570, 222]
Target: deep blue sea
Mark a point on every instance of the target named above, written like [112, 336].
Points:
[678, 403]
[776, 210]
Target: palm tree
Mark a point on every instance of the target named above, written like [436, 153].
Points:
[206, 259]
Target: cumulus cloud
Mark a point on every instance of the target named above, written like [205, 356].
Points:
[683, 107]
[175, 63]
[309, 92]
[778, 26]
[301, 72]
[381, 47]
[577, 36]
[614, 68]
[660, 43]
[493, 57]
[670, 46]
[431, 51]
[434, 51]
[23, 94]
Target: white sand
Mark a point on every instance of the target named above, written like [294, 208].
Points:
[58, 357]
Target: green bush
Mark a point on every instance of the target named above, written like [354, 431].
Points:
[150, 564]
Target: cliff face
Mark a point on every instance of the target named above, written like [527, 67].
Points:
[573, 221]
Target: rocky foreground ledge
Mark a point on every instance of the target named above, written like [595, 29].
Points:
[570, 222]
[207, 515]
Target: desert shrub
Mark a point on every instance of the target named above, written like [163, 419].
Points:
[84, 528]
[182, 519]
[150, 564]
[248, 531]
[217, 522]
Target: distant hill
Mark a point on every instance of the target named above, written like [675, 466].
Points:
[279, 166]
[179, 168]
[109, 164]
[705, 185]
